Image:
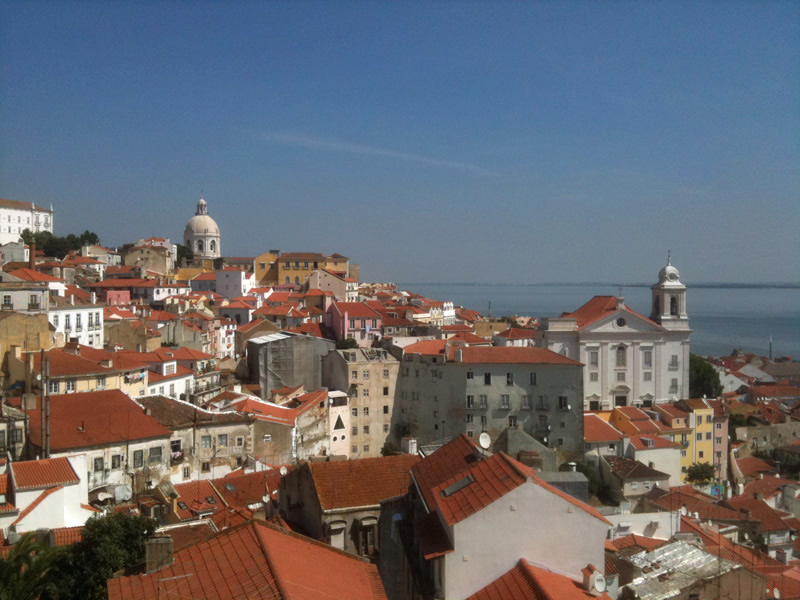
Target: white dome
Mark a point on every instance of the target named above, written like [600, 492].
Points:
[202, 225]
[669, 274]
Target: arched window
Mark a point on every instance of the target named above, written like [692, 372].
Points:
[199, 245]
[673, 306]
[622, 357]
[287, 279]
[297, 280]
[212, 245]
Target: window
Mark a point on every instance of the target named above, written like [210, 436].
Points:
[484, 399]
[354, 430]
[6, 300]
[386, 373]
[469, 418]
[470, 401]
[594, 358]
[267, 437]
[70, 385]
[648, 376]
[543, 403]
[718, 440]
[512, 420]
[386, 390]
[205, 441]
[175, 446]
[386, 429]
[155, 454]
[509, 379]
[365, 410]
[487, 379]
[55, 321]
[470, 433]
[352, 323]
[647, 359]
[240, 441]
[354, 412]
[673, 386]
[171, 390]
[526, 401]
[138, 459]
[483, 422]
[366, 429]
[222, 439]
[719, 426]
[593, 377]
[621, 376]
[700, 454]
[470, 375]
[683, 453]
[354, 374]
[505, 401]
[386, 409]
[708, 435]
[52, 387]
[699, 437]
[634, 485]
[355, 449]
[355, 393]
[673, 361]
[116, 461]
[533, 378]
[366, 447]
[186, 472]
[709, 418]
[98, 465]
[365, 374]
[622, 357]
[205, 467]
[101, 382]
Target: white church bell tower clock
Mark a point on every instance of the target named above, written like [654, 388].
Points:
[669, 299]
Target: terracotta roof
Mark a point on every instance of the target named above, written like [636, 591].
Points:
[526, 581]
[648, 442]
[300, 256]
[632, 469]
[598, 308]
[256, 560]
[775, 391]
[470, 339]
[66, 536]
[20, 205]
[509, 355]
[454, 457]
[196, 497]
[426, 347]
[706, 510]
[65, 364]
[43, 473]
[638, 541]
[596, 430]
[752, 466]
[33, 275]
[265, 411]
[189, 533]
[356, 310]
[361, 482]
[177, 414]
[768, 486]
[94, 419]
[313, 329]
[517, 333]
[768, 517]
[244, 490]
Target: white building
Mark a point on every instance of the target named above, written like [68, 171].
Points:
[202, 233]
[16, 217]
[628, 359]
[232, 282]
[77, 320]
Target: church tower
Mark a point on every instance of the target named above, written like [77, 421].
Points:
[202, 233]
[669, 299]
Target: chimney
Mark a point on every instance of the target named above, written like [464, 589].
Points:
[32, 257]
[93, 297]
[620, 302]
[158, 553]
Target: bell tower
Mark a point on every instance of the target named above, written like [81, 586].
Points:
[669, 299]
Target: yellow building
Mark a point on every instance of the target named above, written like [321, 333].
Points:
[266, 268]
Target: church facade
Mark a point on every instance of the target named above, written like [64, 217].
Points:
[202, 233]
[629, 359]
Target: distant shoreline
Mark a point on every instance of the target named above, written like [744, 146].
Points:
[730, 286]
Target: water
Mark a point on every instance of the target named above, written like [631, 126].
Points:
[721, 318]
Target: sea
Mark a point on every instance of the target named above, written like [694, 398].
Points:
[722, 318]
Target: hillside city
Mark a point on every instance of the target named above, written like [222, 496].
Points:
[272, 426]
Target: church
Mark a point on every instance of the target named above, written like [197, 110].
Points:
[629, 359]
[202, 234]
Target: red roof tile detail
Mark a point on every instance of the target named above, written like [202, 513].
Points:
[597, 430]
[528, 581]
[426, 347]
[361, 482]
[66, 536]
[94, 419]
[598, 308]
[257, 560]
[199, 497]
[44, 473]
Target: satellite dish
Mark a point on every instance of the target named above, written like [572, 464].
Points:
[284, 471]
[600, 584]
[484, 440]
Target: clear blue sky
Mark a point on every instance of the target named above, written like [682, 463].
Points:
[445, 141]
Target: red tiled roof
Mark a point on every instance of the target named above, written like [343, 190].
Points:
[768, 486]
[775, 391]
[94, 419]
[244, 490]
[454, 457]
[517, 333]
[758, 509]
[705, 510]
[43, 473]
[598, 308]
[356, 310]
[256, 560]
[66, 536]
[638, 541]
[526, 581]
[426, 347]
[647, 442]
[596, 430]
[470, 339]
[361, 482]
[190, 533]
[509, 355]
[33, 275]
[265, 411]
[199, 497]
[751, 466]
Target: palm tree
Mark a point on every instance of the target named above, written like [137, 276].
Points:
[24, 572]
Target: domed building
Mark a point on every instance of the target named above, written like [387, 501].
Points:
[202, 233]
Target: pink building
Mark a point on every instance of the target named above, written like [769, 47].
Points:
[355, 320]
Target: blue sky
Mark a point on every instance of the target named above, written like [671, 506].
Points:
[446, 141]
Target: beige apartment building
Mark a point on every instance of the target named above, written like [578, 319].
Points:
[368, 376]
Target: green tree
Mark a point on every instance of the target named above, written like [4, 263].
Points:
[700, 473]
[89, 238]
[110, 544]
[27, 570]
[735, 421]
[185, 255]
[389, 449]
[347, 343]
[703, 379]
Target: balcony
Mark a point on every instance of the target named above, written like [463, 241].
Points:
[34, 306]
[176, 458]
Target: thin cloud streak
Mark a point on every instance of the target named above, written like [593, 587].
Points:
[348, 147]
